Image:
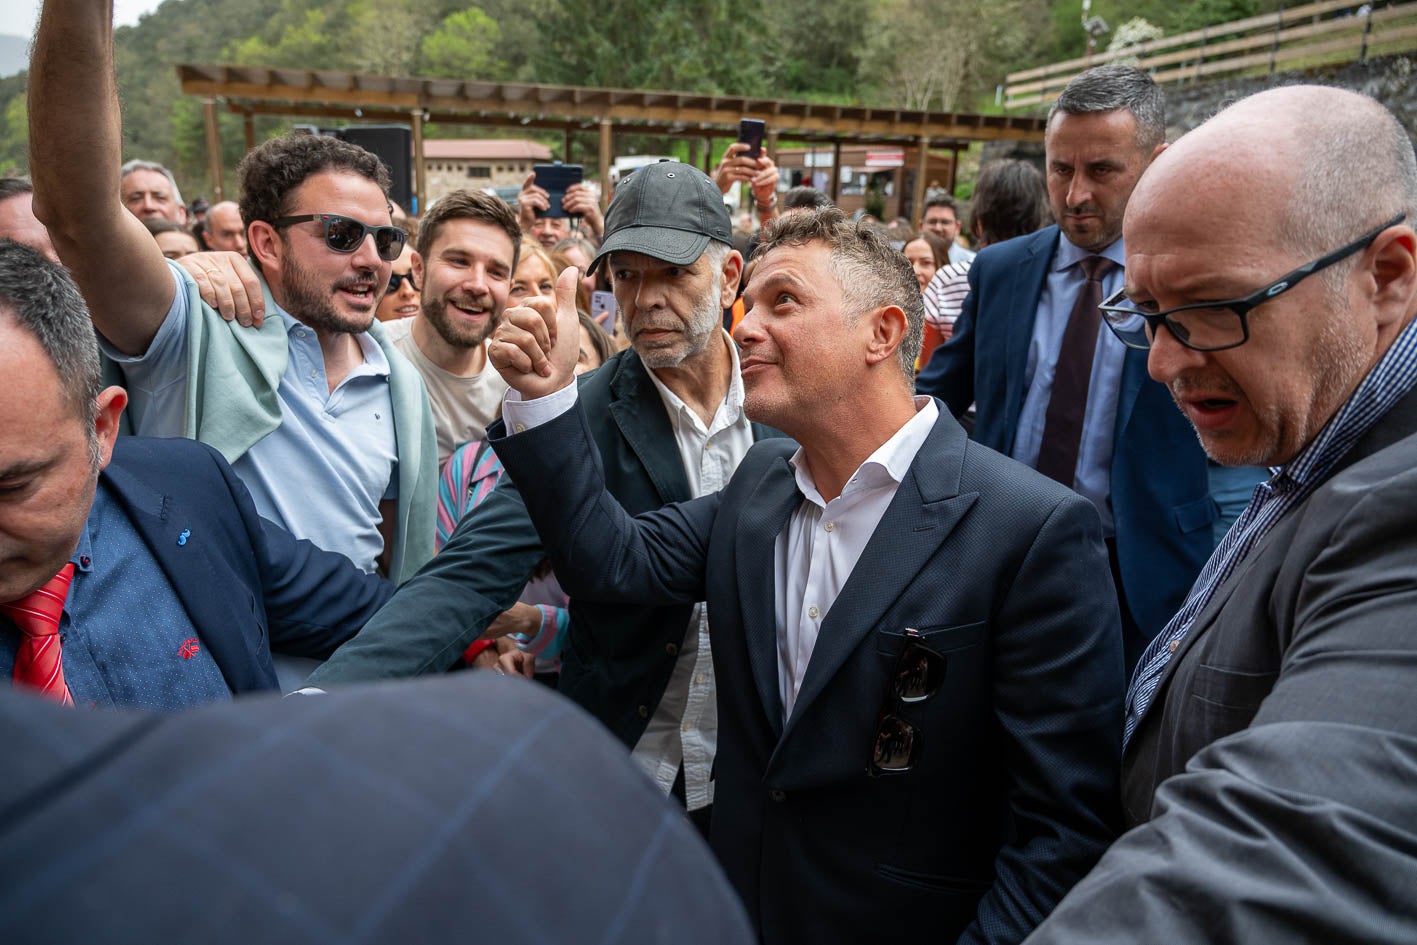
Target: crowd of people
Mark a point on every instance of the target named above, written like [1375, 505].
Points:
[1055, 589]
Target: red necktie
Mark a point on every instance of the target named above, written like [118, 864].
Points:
[1067, 406]
[38, 663]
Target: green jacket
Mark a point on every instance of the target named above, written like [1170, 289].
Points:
[232, 377]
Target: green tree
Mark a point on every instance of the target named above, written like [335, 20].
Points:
[463, 46]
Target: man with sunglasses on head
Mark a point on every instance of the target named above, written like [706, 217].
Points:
[1271, 729]
[915, 640]
[328, 427]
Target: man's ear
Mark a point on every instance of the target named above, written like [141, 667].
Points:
[732, 271]
[1394, 274]
[889, 327]
[110, 403]
[264, 242]
[415, 266]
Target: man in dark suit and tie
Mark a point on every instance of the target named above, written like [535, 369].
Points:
[915, 639]
[1053, 388]
[1271, 728]
[136, 572]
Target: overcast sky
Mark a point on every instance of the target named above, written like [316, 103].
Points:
[125, 13]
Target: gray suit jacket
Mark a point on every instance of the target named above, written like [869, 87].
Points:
[1273, 773]
[376, 814]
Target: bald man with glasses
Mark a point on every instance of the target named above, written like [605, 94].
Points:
[1271, 728]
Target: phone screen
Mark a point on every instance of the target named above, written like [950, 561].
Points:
[750, 132]
[555, 179]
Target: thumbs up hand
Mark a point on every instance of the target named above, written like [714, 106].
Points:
[536, 346]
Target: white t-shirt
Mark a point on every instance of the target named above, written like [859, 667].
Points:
[462, 406]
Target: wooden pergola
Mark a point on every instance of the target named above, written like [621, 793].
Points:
[256, 90]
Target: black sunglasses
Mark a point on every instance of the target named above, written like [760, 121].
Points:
[918, 674]
[1215, 326]
[395, 278]
[345, 235]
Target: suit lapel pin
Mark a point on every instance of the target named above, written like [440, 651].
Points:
[182, 538]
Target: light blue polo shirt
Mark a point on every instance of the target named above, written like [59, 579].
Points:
[322, 473]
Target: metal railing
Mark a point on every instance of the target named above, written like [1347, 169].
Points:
[1315, 34]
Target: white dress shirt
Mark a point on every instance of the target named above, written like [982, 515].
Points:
[818, 550]
[684, 727]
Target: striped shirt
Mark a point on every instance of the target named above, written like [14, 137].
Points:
[945, 295]
[1390, 380]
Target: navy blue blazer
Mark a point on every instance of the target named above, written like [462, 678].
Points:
[1161, 501]
[617, 660]
[1004, 573]
[247, 584]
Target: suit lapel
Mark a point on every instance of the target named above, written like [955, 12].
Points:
[764, 516]
[638, 412]
[193, 571]
[1026, 289]
[925, 510]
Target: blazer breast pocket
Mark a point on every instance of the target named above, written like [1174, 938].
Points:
[1224, 701]
[1196, 515]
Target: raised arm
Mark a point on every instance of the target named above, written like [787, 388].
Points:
[75, 152]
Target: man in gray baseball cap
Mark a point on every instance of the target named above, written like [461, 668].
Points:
[668, 420]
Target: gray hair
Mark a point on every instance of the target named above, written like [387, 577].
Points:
[41, 297]
[869, 270]
[1117, 86]
[137, 165]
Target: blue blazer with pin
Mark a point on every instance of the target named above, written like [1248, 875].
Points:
[247, 585]
[1003, 572]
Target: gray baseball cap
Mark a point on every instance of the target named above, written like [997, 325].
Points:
[666, 210]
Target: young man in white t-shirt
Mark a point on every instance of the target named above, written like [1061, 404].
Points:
[467, 252]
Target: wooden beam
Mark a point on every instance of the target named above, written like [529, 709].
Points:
[213, 148]
[836, 170]
[922, 168]
[420, 173]
[606, 156]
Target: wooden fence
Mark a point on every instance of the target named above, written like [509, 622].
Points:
[1315, 34]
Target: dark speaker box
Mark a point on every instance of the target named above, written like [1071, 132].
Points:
[393, 144]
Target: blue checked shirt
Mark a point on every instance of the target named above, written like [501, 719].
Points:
[1389, 381]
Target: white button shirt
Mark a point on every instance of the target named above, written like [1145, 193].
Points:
[817, 551]
[684, 727]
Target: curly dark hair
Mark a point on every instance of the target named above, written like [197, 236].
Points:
[868, 269]
[271, 172]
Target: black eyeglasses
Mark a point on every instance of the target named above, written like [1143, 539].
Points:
[918, 673]
[345, 235]
[1215, 326]
[396, 278]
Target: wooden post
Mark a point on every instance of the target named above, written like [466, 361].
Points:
[772, 143]
[248, 128]
[954, 169]
[213, 148]
[836, 170]
[708, 155]
[606, 157]
[922, 168]
[420, 174]
[566, 146]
